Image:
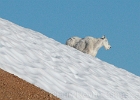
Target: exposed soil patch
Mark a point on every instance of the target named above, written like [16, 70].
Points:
[14, 88]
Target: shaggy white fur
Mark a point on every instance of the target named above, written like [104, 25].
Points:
[73, 41]
[89, 45]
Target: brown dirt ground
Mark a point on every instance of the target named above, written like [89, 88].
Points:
[14, 88]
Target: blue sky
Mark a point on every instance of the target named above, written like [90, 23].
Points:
[119, 20]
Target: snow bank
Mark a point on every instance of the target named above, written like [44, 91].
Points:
[62, 70]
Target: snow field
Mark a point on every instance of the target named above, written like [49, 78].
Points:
[62, 70]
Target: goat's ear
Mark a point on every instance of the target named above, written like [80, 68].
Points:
[103, 37]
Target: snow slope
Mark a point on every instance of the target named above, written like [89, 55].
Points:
[62, 70]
